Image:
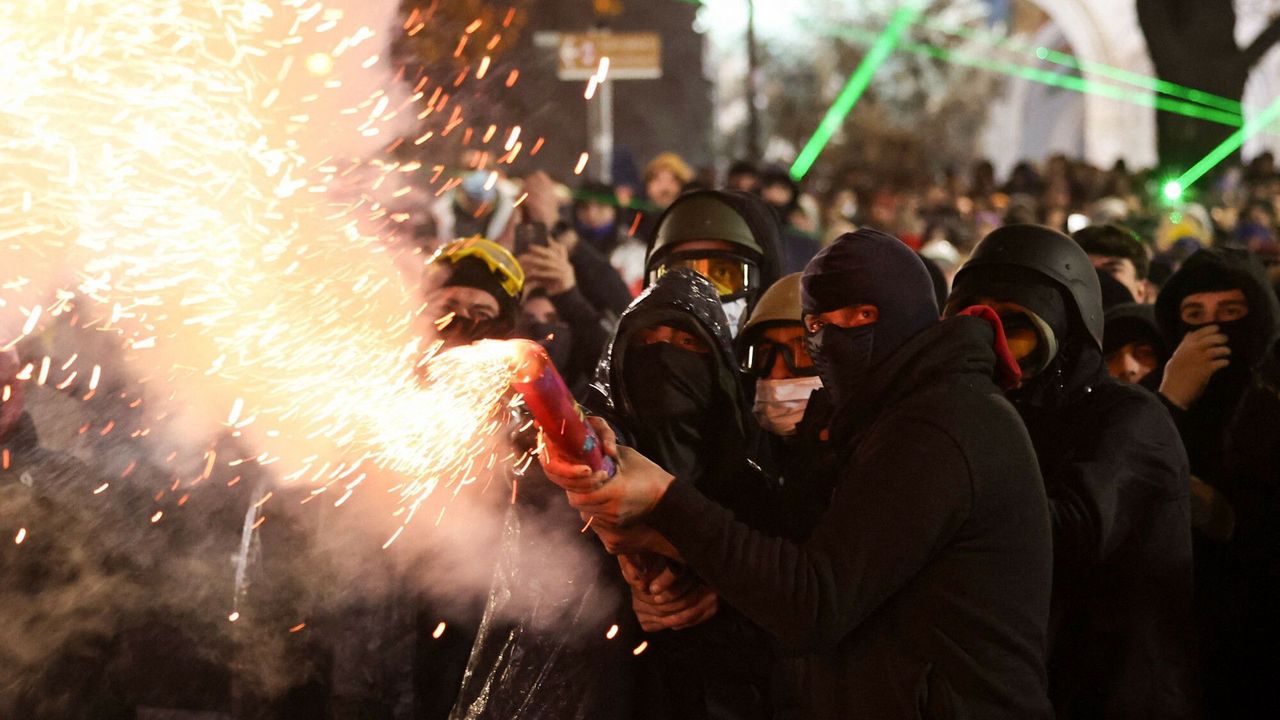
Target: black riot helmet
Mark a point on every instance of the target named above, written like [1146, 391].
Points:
[1049, 253]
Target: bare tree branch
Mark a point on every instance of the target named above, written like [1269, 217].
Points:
[1261, 44]
[1158, 28]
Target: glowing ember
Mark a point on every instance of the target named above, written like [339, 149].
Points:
[22, 535]
[153, 178]
[438, 631]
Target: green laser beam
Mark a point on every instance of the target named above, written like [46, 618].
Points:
[1048, 77]
[881, 48]
[1147, 83]
[1251, 127]
[1103, 70]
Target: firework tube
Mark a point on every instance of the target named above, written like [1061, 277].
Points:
[565, 430]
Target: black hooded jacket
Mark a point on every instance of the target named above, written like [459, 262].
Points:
[684, 299]
[924, 590]
[1116, 475]
[1232, 438]
[719, 670]
[1210, 426]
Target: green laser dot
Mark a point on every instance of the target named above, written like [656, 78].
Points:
[1173, 190]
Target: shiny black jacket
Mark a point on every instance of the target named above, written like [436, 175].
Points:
[719, 670]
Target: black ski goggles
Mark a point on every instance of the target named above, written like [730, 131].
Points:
[759, 358]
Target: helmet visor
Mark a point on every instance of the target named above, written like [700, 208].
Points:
[732, 275]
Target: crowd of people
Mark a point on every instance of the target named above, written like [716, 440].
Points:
[970, 449]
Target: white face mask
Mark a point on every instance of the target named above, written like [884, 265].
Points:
[780, 404]
[735, 311]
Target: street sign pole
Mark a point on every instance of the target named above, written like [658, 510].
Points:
[632, 56]
[600, 116]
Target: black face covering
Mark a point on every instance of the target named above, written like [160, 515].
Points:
[1226, 386]
[842, 356]
[671, 393]
[866, 267]
[663, 381]
[556, 338]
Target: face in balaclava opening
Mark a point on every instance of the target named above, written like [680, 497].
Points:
[870, 268]
[670, 387]
[468, 324]
[1226, 386]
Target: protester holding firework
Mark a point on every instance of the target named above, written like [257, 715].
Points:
[925, 586]
[669, 382]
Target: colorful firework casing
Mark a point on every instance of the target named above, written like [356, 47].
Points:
[564, 427]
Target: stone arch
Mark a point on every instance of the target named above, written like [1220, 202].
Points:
[1102, 31]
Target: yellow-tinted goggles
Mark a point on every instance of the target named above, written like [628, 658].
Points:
[732, 276]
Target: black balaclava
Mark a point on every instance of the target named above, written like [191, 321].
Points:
[473, 273]
[866, 267]
[1245, 337]
[1217, 270]
[1132, 323]
[1226, 386]
[672, 392]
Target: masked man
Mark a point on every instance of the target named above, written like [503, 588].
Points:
[1116, 476]
[1221, 386]
[790, 405]
[924, 588]
[730, 238]
[473, 291]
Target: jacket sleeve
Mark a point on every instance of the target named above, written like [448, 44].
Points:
[1096, 494]
[590, 336]
[600, 284]
[888, 517]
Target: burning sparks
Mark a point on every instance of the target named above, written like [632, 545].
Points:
[439, 631]
[154, 176]
[22, 535]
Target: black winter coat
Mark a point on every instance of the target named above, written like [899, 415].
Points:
[719, 670]
[1116, 476]
[924, 590]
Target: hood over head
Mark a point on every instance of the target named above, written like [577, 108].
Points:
[1220, 269]
[686, 410]
[866, 267]
[1129, 323]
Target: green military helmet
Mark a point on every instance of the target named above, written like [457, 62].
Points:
[779, 304]
[702, 215]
